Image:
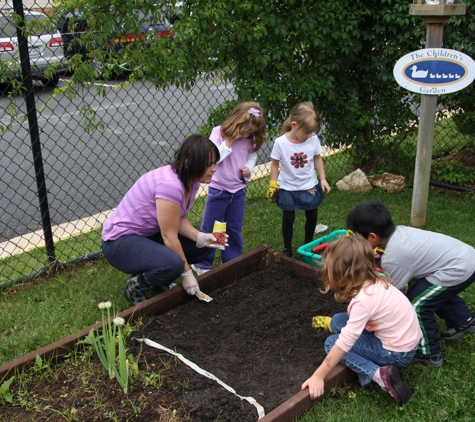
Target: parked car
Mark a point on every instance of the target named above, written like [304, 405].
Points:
[72, 26]
[45, 49]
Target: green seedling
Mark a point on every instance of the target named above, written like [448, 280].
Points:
[6, 396]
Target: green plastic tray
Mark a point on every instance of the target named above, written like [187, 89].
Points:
[313, 258]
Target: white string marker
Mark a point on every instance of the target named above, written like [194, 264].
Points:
[260, 409]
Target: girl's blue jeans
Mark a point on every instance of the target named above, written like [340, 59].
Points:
[226, 207]
[367, 354]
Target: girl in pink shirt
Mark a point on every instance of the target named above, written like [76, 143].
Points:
[380, 331]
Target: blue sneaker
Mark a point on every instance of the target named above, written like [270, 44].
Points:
[199, 270]
[434, 361]
[169, 287]
[457, 332]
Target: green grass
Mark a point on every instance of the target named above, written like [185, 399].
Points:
[48, 309]
[447, 138]
[35, 259]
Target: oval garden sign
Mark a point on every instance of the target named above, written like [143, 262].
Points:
[434, 71]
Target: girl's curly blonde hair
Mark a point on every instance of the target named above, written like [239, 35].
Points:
[347, 265]
[242, 118]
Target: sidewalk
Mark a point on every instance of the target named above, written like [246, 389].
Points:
[28, 4]
[64, 231]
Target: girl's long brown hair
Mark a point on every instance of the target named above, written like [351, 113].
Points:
[347, 265]
[240, 121]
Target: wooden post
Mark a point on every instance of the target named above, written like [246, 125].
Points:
[435, 16]
[425, 139]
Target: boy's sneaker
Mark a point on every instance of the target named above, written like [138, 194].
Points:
[434, 361]
[394, 385]
[136, 289]
[197, 270]
[169, 287]
[457, 332]
[287, 252]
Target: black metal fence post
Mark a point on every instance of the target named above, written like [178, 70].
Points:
[34, 133]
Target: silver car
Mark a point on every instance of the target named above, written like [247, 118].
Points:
[45, 49]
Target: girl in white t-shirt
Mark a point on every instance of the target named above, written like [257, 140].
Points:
[298, 152]
[380, 331]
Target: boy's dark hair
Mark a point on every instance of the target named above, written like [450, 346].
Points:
[192, 159]
[368, 217]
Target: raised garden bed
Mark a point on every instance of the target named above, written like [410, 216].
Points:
[255, 336]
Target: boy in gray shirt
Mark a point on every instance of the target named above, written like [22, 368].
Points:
[441, 265]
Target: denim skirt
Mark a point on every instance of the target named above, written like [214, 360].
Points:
[309, 199]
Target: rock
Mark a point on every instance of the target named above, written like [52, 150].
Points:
[356, 181]
[389, 182]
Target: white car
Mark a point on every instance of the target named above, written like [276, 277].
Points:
[45, 49]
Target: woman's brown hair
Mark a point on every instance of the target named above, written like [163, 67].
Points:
[192, 159]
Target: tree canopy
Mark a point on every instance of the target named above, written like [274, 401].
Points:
[338, 54]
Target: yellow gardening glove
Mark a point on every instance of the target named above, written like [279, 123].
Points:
[322, 323]
[273, 188]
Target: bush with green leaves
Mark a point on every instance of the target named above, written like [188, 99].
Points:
[338, 54]
[453, 172]
[217, 116]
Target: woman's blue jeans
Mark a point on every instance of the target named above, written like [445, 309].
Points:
[133, 254]
[367, 354]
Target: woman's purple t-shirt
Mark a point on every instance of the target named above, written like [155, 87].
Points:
[137, 211]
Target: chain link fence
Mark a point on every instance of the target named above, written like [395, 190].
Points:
[67, 161]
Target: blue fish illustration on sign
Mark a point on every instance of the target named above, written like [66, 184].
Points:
[438, 72]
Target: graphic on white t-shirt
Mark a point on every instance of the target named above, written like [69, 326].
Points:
[299, 159]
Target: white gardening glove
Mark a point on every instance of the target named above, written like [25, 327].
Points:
[208, 239]
[190, 284]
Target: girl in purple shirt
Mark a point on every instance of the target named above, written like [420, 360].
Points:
[149, 236]
[238, 139]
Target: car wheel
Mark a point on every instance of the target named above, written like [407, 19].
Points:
[50, 82]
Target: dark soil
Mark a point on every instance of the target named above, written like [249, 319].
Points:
[255, 336]
[466, 157]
